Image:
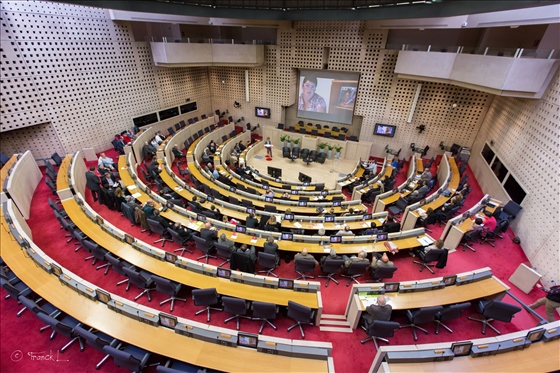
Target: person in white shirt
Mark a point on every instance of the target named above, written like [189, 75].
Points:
[345, 232]
[105, 161]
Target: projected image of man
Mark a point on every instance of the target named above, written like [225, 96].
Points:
[308, 99]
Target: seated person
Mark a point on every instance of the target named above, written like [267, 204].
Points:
[149, 208]
[490, 221]
[371, 168]
[269, 193]
[159, 137]
[369, 231]
[390, 225]
[249, 252]
[176, 152]
[424, 188]
[271, 247]
[251, 221]
[184, 232]
[197, 205]
[223, 240]
[478, 224]
[105, 161]
[241, 146]
[332, 255]
[413, 197]
[160, 219]
[109, 181]
[426, 175]
[345, 231]
[305, 255]
[212, 147]
[380, 311]
[217, 213]
[209, 233]
[285, 196]
[381, 262]
[362, 257]
[148, 149]
[271, 225]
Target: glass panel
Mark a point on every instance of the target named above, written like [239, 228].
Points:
[487, 153]
[499, 169]
[516, 193]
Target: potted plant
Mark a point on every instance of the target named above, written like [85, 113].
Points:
[283, 139]
[322, 147]
[289, 142]
[338, 148]
[329, 153]
[296, 143]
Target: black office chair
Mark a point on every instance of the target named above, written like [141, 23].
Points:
[331, 266]
[156, 227]
[295, 154]
[379, 331]
[421, 316]
[398, 207]
[97, 340]
[490, 236]
[207, 298]
[168, 287]
[304, 153]
[264, 312]
[354, 270]
[236, 306]
[142, 280]
[128, 357]
[268, 261]
[178, 239]
[428, 259]
[97, 253]
[301, 314]
[327, 135]
[202, 245]
[304, 266]
[56, 159]
[469, 238]
[286, 152]
[495, 310]
[64, 326]
[510, 211]
[117, 265]
[223, 252]
[382, 272]
[15, 288]
[321, 157]
[449, 313]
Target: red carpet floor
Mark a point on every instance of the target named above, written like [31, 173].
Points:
[20, 336]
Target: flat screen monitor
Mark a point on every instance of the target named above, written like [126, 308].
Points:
[240, 228]
[391, 287]
[306, 183]
[170, 257]
[188, 107]
[535, 335]
[302, 203]
[56, 270]
[289, 217]
[284, 283]
[262, 112]
[168, 321]
[168, 113]
[337, 203]
[232, 189]
[449, 280]
[304, 178]
[461, 348]
[295, 192]
[210, 198]
[366, 216]
[145, 120]
[327, 95]
[386, 130]
[324, 192]
[103, 296]
[250, 210]
[129, 239]
[99, 220]
[265, 186]
[200, 217]
[382, 237]
[329, 218]
[268, 199]
[336, 239]
[287, 236]
[247, 340]
[224, 272]
[274, 172]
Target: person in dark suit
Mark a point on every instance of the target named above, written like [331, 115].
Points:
[270, 247]
[251, 221]
[390, 225]
[380, 311]
[148, 149]
[176, 152]
[109, 181]
[160, 219]
[92, 183]
[209, 233]
[197, 205]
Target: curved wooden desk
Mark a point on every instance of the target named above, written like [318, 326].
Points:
[158, 340]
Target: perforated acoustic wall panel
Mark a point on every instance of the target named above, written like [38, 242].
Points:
[526, 135]
[74, 68]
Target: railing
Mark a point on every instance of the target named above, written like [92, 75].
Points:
[500, 52]
[196, 40]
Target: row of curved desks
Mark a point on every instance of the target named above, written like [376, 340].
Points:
[157, 339]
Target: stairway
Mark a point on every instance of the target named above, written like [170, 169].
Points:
[334, 323]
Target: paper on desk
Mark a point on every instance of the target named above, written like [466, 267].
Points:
[178, 188]
[131, 187]
[253, 239]
[298, 225]
[318, 225]
[425, 241]
[137, 195]
[368, 300]
[381, 220]
[234, 235]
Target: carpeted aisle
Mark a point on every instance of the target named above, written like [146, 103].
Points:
[21, 334]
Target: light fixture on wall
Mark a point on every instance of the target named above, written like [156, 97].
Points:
[236, 105]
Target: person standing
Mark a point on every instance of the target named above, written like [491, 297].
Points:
[551, 302]
[92, 183]
[268, 146]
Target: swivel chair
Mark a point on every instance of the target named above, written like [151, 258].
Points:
[382, 272]
[179, 240]
[168, 287]
[304, 266]
[469, 238]
[449, 313]
[301, 314]
[64, 326]
[379, 331]
[223, 252]
[268, 261]
[117, 265]
[429, 257]
[207, 298]
[142, 280]
[236, 306]
[264, 312]
[128, 357]
[421, 316]
[354, 270]
[156, 227]
[331, 266]
[203, 246]
[97, 340]
[495, 310]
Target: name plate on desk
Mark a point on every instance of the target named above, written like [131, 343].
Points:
[419, 356]
[271, 283]
[500, 347]
[150, 251]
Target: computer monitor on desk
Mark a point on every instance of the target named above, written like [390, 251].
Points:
[336, 239]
